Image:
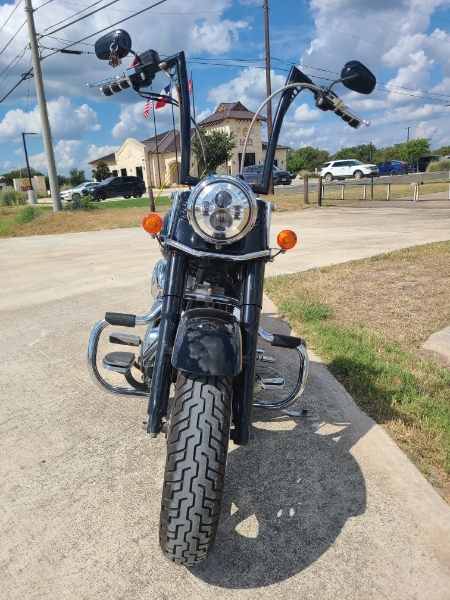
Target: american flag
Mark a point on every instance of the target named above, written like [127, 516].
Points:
[148, 108]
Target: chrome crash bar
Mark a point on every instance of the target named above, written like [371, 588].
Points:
[92, 354]
[301, 381]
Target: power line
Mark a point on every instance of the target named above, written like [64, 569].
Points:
[349, 35]
[80, 19]
[19, 57]
[393, 13]
[11, 14]
[419, 11]
[375, 20]
[110, 25]
[24, 23]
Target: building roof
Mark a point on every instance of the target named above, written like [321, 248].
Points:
[230, 110]
[264, 146]
[111, 156]
[167, 142]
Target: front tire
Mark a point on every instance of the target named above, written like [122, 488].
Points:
[358, 174]
[197, 448]
[137, 192]
[394, 172]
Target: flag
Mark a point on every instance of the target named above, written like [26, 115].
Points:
[148, 108]
[162, 100]
[190, 85]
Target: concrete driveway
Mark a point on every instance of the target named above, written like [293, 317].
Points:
[323, 507]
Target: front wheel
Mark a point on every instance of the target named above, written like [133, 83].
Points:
[197, 448]
[358, 175]
[394, 172]
[137, 192]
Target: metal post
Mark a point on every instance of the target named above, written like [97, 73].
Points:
[268, 85]
[388, 194]
[45, 123]
[371, 187]
[151, 199]
[306, 190]
[32, 198]
[319, 191]
[342, 191]
[370, 152]
[365, 192]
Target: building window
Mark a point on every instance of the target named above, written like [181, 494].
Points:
[275, 162]
[139, 172]
[250, 159]
[114, 173]
[123, 172]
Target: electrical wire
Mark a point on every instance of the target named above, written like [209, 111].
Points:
[109, 26]
[11, 14]
[419, 11]
[24, 23]
[77, 20]
[18, 58]
[387, 12]
[48, 2]
[350, 35]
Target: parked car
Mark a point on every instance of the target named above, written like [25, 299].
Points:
[253, 174]
[76, 192]
[422, 163]
[114, 187]
[395, 167]
[345, 169]
[88, 190]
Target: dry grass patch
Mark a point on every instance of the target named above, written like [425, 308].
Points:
[66, 221]
[368, 319]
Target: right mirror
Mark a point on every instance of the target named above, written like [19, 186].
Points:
[120, 37]
[363, 81]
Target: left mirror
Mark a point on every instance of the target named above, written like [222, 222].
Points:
[362, 80]
[120, 37]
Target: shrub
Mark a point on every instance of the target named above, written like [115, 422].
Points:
[81, 203]
[440, 165]
[12, 198]
[26, 215]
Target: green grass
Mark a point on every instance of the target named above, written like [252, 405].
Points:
[134, 203]
[407, 394]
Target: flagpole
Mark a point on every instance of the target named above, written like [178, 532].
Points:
[175, 137]
[193, 110]
[156, 141]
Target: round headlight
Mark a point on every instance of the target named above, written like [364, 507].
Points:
[222, 209]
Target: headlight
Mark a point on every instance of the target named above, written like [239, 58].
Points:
[222, 209]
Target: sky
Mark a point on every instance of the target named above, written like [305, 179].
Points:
[405, 43]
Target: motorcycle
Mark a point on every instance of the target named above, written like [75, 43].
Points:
[202, 331]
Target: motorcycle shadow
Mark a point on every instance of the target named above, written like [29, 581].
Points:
[287, 497]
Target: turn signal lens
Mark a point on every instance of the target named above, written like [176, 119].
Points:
[286, 239]
[152, 223]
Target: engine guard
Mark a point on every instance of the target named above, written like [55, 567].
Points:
[208, 342]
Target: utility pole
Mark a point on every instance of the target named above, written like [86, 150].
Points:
[268, 85]
[32, 199]
[408, 128]
[46, 133]
[370, 152]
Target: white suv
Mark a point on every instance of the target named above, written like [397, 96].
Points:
[344, 169]
[76, 192]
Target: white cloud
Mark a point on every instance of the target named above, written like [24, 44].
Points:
[65, 156]
[249, 87]
[425, 130]
[132, 122]
[68, 121]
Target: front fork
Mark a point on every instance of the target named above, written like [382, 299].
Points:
[175, 283]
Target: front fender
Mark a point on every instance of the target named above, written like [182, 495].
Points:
[208, 342]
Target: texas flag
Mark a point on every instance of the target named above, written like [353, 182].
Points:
[162, 101]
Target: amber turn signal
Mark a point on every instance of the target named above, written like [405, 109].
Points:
[286, 239]
[152, 223]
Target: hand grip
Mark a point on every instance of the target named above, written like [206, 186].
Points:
[120, 319]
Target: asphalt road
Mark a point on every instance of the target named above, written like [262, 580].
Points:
[323, 507]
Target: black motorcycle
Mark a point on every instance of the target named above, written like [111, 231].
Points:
[203, 329]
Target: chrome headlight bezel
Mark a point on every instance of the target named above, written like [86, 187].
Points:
[243, 200]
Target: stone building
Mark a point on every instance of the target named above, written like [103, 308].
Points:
[157, 159]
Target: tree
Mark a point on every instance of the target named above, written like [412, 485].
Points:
[219, 146]
[362, 152]
[413, 149]
[444, 151]
[306, 159]
[76, 177]
[101, 172]
[20, 173]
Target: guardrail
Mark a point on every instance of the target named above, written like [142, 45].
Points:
[321, 187]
